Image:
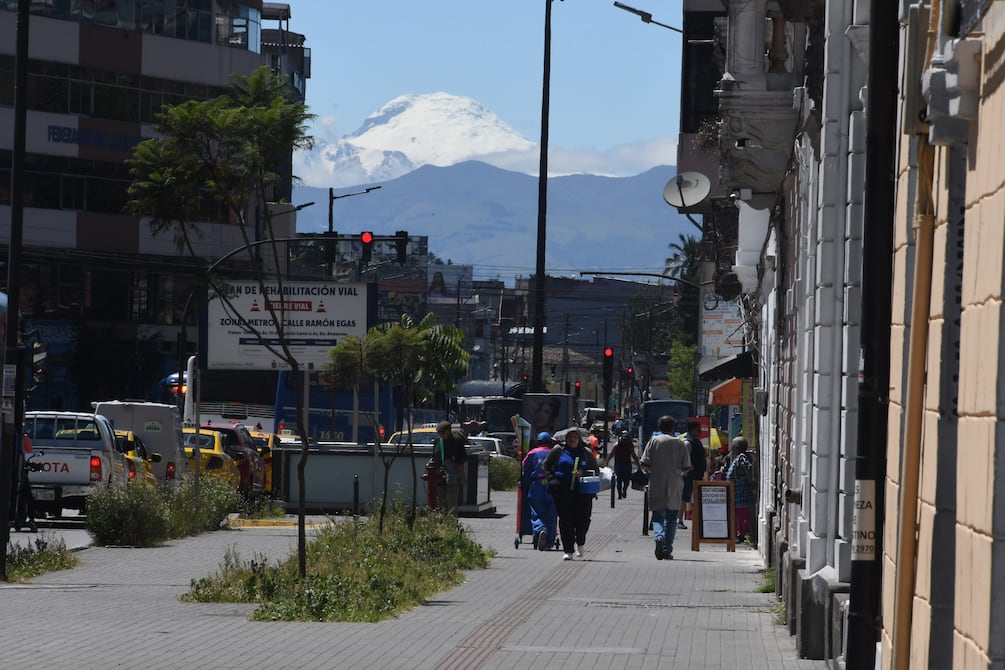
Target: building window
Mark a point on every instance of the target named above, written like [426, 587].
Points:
[139, 300]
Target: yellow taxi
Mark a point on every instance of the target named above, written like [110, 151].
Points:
[213, 460]
[264, 443]
[425, 435]
[139, 458]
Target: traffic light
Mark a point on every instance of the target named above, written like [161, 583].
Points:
[608, 370]
[525, 378]
[366, 238]
[401, 246]
[552, 373]
[630, 371]
[578, 385]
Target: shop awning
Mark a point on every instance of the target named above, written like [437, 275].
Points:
[712, 368]
[726, 393]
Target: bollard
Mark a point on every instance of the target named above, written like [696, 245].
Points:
[614, 488]
[355, 495]
[645, 512]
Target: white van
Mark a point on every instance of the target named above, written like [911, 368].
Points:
[159, 425]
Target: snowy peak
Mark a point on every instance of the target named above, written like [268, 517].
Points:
[437, 129]
[415, 130]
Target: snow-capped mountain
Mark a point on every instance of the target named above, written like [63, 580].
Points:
[408, 132]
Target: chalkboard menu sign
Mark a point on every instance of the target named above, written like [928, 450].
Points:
[714, 518]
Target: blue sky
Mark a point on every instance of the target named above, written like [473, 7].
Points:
[614, 79]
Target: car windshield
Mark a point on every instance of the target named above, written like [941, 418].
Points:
[487, 444]
[205, 441]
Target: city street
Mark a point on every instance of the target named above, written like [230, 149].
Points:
[616, 607]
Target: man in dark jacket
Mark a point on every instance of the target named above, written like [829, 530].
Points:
[451, 452]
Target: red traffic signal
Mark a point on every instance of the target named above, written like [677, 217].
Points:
[366, 237]
[578, 384]
[630, 370]
[608, 369]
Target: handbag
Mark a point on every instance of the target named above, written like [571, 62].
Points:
[639, 480]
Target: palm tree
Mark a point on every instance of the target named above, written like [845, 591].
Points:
[685, 263]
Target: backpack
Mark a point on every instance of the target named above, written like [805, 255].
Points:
[742, 469]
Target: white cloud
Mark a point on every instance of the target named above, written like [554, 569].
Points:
[624, 160]
[443, 129]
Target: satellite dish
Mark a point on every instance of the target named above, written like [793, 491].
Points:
[687, 189]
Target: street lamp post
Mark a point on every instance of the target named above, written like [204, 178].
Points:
[537, 358]
[645, 16]
[13, 391]
[182, 335]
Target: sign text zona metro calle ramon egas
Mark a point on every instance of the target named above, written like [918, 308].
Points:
[314, 317]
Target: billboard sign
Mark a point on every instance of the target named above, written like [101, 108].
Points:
[314, 317]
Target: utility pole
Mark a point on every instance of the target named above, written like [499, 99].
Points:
[13, 384]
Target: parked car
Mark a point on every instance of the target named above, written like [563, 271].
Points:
[240, 446]
[213, 461]
[494, 446]
[139, 458]
[424, 435]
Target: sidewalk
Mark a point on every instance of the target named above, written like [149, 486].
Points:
[617, 607]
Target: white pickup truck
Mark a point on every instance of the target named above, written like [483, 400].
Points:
[77, 454]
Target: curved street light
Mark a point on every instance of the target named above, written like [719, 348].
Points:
[646, 17]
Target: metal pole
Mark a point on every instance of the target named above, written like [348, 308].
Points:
[537, 362]
[873, 400]
[13, 395]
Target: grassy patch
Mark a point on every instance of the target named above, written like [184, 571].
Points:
[767, 581]
[354, 573]
[504, 473]
[45, 555]
[778, 614]
[261, 507]
[145, 516]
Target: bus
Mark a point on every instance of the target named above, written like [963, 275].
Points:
[652, 410]
[330, 415]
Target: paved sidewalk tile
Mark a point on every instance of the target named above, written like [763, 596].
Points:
[617, 607]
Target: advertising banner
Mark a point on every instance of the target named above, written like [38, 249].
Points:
[314, 316]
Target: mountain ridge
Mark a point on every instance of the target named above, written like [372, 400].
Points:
[478, 214]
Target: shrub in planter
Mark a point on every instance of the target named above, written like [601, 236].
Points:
[504, 473]
[134, 515]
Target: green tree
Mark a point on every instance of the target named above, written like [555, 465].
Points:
[220, 159]
[681, 369]
[418, 358]
[685, 264]
[685, 260]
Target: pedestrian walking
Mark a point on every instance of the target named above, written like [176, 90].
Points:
[533, 482]
[697, 472]
[666, 458]
[451, 453]
[622, 456]
[566, 465]
[741, 473]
